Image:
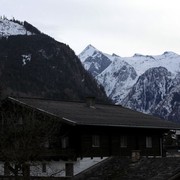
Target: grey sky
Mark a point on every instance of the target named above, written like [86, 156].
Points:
[123, 27]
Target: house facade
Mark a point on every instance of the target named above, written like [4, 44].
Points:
[89, 130]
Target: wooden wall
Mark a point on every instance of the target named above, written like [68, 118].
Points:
[110, 141]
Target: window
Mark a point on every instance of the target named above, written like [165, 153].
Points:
[95, 141]
[148, 142]
[123, 141]
[65, 142]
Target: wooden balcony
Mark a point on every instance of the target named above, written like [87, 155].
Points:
[58, 154]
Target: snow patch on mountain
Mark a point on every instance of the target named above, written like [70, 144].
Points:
[112, 57]
[117, 79]
[26, 58]
[94, 61]
[10, 28]
[141, 63]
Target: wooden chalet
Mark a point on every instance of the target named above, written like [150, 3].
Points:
[96, 130]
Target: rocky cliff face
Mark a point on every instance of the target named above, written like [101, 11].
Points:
[169, 107]
[156, 92]
[150, 89]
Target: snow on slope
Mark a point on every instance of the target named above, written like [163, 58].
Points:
[117, 79]
[122, 73]
[26, 58]
[141, 63]
[9, 28]
[112, 57]
[89, 51]
[94, 61]
[146, 83]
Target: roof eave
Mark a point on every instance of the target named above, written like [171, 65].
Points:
[131, 126]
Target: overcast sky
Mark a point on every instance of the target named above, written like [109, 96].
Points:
[124, 27]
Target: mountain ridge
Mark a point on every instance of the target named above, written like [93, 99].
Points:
[166, 67]
[14, 27]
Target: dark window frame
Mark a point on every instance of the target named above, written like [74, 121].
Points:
[96, 141]
[123, 141]
[148, 142]
[65, 142]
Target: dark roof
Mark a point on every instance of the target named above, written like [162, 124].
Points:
[77, 113]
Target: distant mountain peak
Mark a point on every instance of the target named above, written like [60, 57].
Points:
[94, 60]
[115, 55]
[90, 47]
[170, 54]
[87, 52]
[166, 53]
[137, 54]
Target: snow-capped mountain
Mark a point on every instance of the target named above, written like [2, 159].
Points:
[117, 79]
[146, 83]
[110, 77]
[93, 60]
[141, 63]
[150, 89]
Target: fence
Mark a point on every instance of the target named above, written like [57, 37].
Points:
[33, 178]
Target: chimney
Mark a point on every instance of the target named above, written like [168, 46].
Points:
[90, 101]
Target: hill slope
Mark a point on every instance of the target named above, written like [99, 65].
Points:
[34, 64]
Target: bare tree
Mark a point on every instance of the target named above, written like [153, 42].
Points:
[24, 135]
